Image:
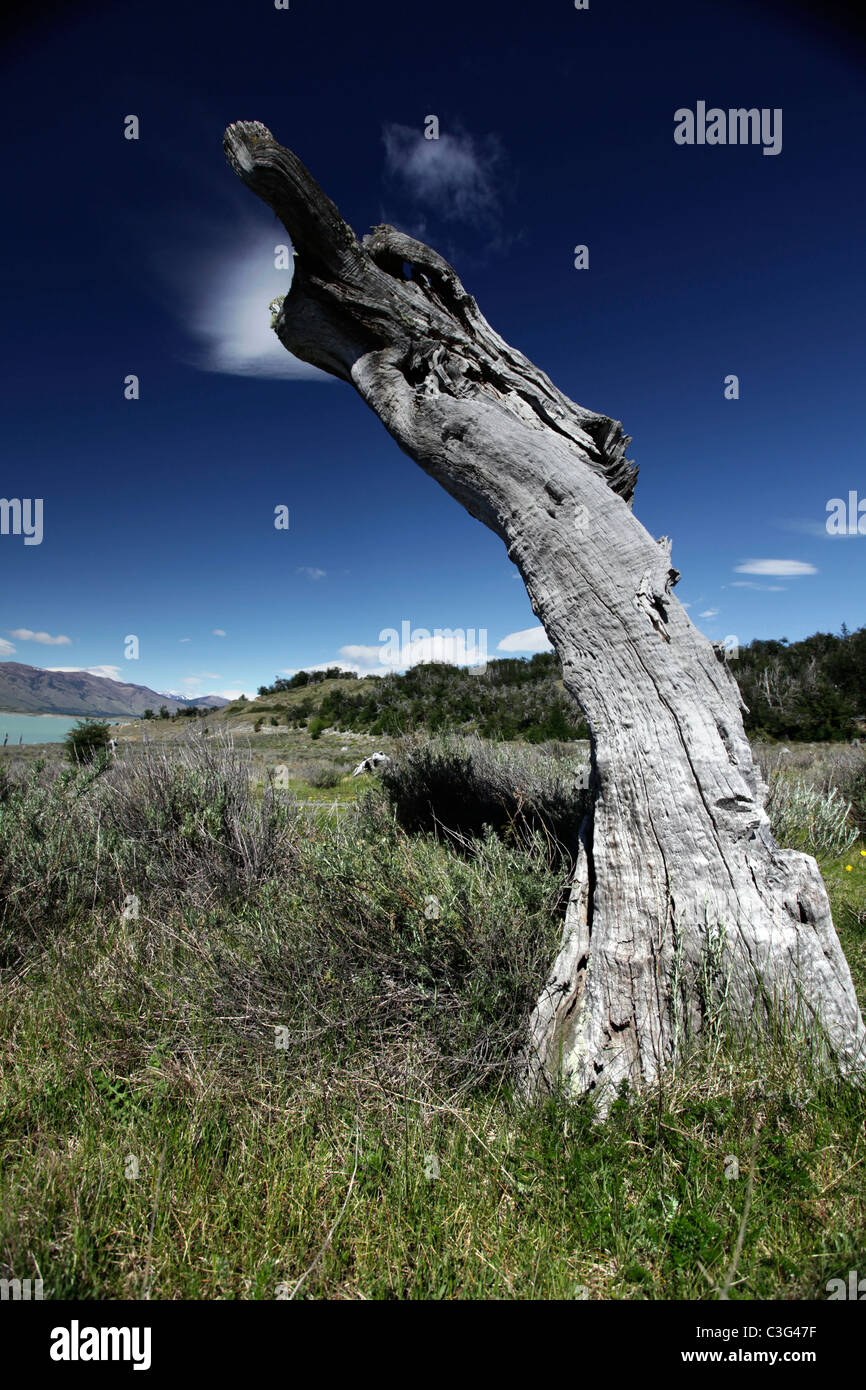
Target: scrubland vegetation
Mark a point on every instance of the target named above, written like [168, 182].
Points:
[257, 1049]
[811, 690]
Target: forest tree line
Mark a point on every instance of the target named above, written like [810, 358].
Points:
[812, 690]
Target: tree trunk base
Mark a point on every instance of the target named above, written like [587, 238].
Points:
[611, 1014]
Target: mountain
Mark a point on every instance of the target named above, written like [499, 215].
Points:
[30, 690]
[202, 702]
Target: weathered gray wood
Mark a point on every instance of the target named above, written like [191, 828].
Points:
[683, 903]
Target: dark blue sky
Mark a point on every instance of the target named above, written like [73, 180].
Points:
[556, 129]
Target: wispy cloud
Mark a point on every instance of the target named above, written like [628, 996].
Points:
[750, 584]
[24, 634]
[311, 572]
[219, 632]
[456, 176]
[775, 567]
[709, 613]
[6, 648]
[531, 639]
[211, 258]
[220, 295]
[818, 529]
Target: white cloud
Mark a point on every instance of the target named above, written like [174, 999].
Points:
[311, 572]
[454, 175]
[219, 632]
[6, 648]
[184, 639]
[452, 646]
[216, 276]
[531, 639]
[221, 294]
[24, 634]
[111, 673]
[709, 613]
[455, 647]
[776, 567]
[359, 658]
[749, 584]
[453, 650]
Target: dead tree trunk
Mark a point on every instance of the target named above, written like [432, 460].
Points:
[683, 904]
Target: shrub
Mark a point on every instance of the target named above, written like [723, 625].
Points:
[460, 785]
[854, 787]
[189, 829]
[87, 740]
[323, 775]
[805, 817]
[384, 941]
[47, 851]
[352, 933]
[194, 823]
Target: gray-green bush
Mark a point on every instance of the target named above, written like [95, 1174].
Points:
[271, 918]
[457, 786]
[167, 829]
[805, 817]
[324, 775]
[854, 787]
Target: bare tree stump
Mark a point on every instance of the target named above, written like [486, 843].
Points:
[683, 905]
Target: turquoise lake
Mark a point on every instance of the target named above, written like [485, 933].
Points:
[39, 728]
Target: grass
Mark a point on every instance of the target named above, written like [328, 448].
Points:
[242, 1173]
[290, 1072]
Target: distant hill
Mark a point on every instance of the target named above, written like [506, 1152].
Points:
[810, 690]
[30, 690]
[512, 698]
